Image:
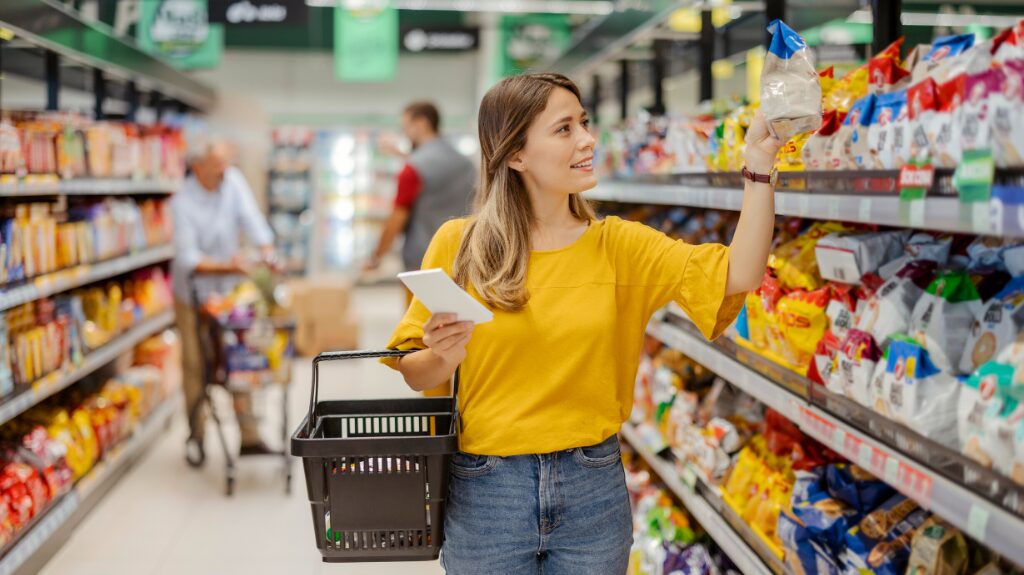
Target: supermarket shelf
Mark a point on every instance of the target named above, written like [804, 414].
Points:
[57, 381]
[40, 541]
[974, 514]
[935, 213]
[700, 508]
[63, 280]
[89, 187]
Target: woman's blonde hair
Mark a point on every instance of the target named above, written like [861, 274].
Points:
[495, 248]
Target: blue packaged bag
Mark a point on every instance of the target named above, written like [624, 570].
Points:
[790, 86]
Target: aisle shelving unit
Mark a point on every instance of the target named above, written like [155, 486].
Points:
[708, 508]
[60, 281]
[88, 187]
[975, 514]
[38, 541]
[59, 380]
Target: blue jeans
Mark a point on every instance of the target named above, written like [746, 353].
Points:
[553, 514]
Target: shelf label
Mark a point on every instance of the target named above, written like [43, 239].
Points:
[805, 204]
[689, 477]
[977, 522]
[864, 212]
[918, 484]
[974, 175]
[916, 178]
[833, 208]
[838, 439]
[892, 471]
[864, 457]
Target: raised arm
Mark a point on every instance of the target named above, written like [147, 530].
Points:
[748, 253]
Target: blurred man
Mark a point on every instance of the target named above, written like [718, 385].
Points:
[212, 209]
[435, 186]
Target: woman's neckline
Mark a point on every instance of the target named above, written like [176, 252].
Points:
[576, 242]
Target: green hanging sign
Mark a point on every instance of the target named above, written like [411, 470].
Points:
[365, 44]
[974, 175]
[530, 39]
[179, 31]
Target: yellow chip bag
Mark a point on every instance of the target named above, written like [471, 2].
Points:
[791, 158]
[847, 90]
[803, 322]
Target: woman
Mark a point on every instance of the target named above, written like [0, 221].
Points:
[538, 485]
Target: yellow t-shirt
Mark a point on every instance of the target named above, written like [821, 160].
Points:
[560, 373]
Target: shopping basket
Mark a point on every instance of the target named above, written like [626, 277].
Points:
[377, 471]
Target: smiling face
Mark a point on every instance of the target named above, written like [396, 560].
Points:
[559, 151]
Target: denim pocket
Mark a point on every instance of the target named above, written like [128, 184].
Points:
[603, 454]
[468, 465]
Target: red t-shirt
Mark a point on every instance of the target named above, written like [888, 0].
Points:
[409, 186]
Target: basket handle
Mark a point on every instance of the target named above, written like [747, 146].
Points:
[344, 355]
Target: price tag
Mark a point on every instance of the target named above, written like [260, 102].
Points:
[833, 208]
[981, 217]
[838, 439]
[892, 471]
[974, 175]
[916, 179]
[805, 204]
[864, 212]
[977, 522]
[916, 213]
[689, 477]
[864, 457]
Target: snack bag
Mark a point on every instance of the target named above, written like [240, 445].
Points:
[847, 256]
[977, 396]
[794, 261]
[943, 316]
[854, 133]
[847, 90]
[827, 79]
[977, 116]
[944, 141]
[856, 487]
[790, 90]
[791, 157]
[922, 104]
[920, 246]
[882, 139]
[938, 548]
[826, 519]
[1008, 122]
[803, 323]
[974, 60]
[919, 395]
[941, 50]
[1009, 44]
[996, 327]
[813, 152]
[890, 309]
[881, 542]
[884, 70]
[854, 367]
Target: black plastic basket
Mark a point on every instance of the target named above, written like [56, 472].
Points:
[377, 471]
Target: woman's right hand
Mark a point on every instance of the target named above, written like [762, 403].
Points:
[447, 338]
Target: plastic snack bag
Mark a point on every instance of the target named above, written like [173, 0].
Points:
[890, 310]
[920, 396]
[1008, 122]
[790, 89]
[855, 365]
[920, 246]
[803, 319]
[943, 317]
[977, 115]
[996, 327]
[938, 549]
[942, 130]
[1009, 44]
[847, 90]
[884, 70]
[856, 487]
[978, 396]
[882, 141]
[942, 49]
[794, 261]
[974, 60]
[923, 104]
[813, 152]
[881, 542]
[854, 133]
[847, 256]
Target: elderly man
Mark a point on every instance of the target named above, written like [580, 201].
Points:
[212, 209]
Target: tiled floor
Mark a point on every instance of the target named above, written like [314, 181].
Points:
[166, 519]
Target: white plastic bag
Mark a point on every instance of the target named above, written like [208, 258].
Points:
[790, 86]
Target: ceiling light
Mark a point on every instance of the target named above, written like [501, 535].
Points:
[586, 7]
[864, 16]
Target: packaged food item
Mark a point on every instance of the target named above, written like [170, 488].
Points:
[847, 90]
[803, 322]
[978, 396]
[1008, 122]
[855, 365]
[942, 131]
[884, 70]
[920, 246]
[890, 309]
[791, 155]
[941, 50]
[918, 394]
[996, 327]
[856, 487]
[1008, 45]
[883, 142]
[847, 256]
[827, 79]
[923, 104]
[938, 548]
[854, 133]
[975, 59]
[881, 542]
[943, 317]
[790, 90]
[826, 520]
[813, 152]
[794, 261]
[978, 116]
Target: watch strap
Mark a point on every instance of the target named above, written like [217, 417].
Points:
[755, 177]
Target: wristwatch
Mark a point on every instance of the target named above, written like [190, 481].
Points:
[771, 178]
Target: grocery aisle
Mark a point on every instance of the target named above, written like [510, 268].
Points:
[163, 518]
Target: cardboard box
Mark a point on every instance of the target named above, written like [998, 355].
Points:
[327, 334]
[317, 297]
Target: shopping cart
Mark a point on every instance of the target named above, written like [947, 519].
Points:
[377, 471]
[226, 351]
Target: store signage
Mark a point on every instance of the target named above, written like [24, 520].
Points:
[974, 176]
[180, 31]
[440, 39]
[915, 180]
[365, 44]
[245, 12]
[531, 39]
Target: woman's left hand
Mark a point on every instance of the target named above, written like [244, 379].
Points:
[761, 146]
